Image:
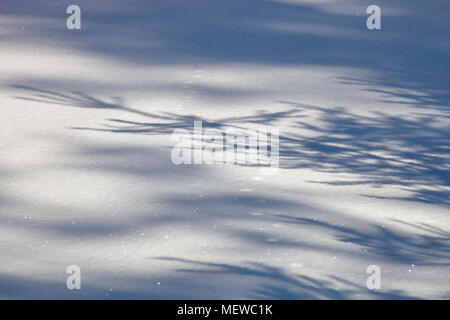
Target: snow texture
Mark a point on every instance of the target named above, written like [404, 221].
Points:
[86, 176]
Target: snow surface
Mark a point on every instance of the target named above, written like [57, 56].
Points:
[86, 177]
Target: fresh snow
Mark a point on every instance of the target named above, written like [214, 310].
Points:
[86, 176]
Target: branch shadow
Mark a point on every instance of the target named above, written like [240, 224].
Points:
[379, 149]
[432, 248]
[274, 283]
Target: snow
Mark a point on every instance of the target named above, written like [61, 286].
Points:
[86, 176]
